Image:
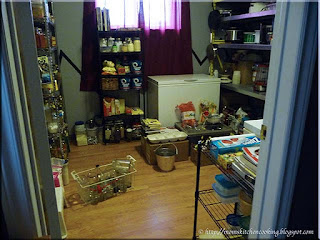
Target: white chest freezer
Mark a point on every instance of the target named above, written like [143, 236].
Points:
[167, 91]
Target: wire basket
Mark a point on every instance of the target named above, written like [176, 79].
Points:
[105, 181]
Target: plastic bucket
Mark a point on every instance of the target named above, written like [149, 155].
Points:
[166, 157]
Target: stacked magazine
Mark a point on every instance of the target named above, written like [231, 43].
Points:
[246, 164]
[103, 19]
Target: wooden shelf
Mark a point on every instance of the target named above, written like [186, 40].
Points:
[120, 76]
[251, 16]
[117, 33]
[248, 46]
[245, 90]
[106, 92]
[119, 53]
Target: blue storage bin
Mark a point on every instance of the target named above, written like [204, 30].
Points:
[225, 186]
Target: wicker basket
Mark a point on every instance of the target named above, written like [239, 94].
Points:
[110, 84]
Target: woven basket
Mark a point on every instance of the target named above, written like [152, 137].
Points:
[110, 84]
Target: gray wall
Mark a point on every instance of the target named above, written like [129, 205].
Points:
[68, 15]
[200, 33]
[79, 105]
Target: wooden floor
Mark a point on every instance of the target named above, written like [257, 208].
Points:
[161, 205]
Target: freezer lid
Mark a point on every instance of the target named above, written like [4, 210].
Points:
[182, 79]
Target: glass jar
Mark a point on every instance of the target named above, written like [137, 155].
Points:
[130, 45]
[137, 44]
[124, 47]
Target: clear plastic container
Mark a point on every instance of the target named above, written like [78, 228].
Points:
[222, 198]
[225, 186]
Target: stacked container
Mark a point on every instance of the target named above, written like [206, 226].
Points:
[225, 190]
[81, 134]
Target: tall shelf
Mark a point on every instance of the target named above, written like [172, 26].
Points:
[134, 97]
[51, 82]
[218, 211]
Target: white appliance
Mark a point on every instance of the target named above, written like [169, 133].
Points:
[167, 91]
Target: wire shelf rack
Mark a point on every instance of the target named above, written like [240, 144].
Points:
[218, 212]
[234, 176]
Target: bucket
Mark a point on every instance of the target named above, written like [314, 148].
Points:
[166, 157]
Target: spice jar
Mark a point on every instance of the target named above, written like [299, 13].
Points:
[137, 44]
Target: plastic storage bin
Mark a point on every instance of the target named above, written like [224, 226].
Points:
[225, 186]
[222, 198]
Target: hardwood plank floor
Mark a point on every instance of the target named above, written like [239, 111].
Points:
[161, 205]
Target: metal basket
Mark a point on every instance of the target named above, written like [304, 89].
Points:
[111, 179]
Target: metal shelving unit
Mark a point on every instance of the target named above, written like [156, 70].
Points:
[53, 99]
[218, 211]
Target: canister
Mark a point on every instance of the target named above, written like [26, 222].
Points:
[137, 44]
[136, 83]
[124, 83]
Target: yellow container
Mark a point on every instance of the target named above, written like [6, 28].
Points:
[245, 204]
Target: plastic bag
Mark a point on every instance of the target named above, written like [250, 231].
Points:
[188, 113]
[207, 108]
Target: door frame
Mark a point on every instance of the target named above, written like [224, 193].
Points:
[289, 83]
[32, 156]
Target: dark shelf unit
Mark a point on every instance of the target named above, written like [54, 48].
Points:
[250, 16]
[246, 46]
[113, 56]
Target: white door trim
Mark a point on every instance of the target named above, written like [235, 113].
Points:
[29, 111]
[291, 69]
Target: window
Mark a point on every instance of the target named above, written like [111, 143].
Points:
[158, 14]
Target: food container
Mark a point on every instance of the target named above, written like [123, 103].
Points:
[124, 83]
[136, 83]
[92, 132]
[166, 157]
[222, 198]
[245, 205]
[234, 35]
[225, 186]
[249, 37]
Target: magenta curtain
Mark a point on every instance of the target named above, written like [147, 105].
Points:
[166, 51]
[169, 52]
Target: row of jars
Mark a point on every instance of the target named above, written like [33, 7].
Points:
[117, 45]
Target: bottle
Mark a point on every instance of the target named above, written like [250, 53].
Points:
[130, 45]
[119, 44]
[124, 47]
[137, 44]
[107, 133]
[117, 134]
[114, 48]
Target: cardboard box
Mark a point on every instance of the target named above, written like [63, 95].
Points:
[205, 161]
[148, 150]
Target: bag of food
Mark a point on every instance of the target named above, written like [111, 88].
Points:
[188, 113]
[206, 108]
